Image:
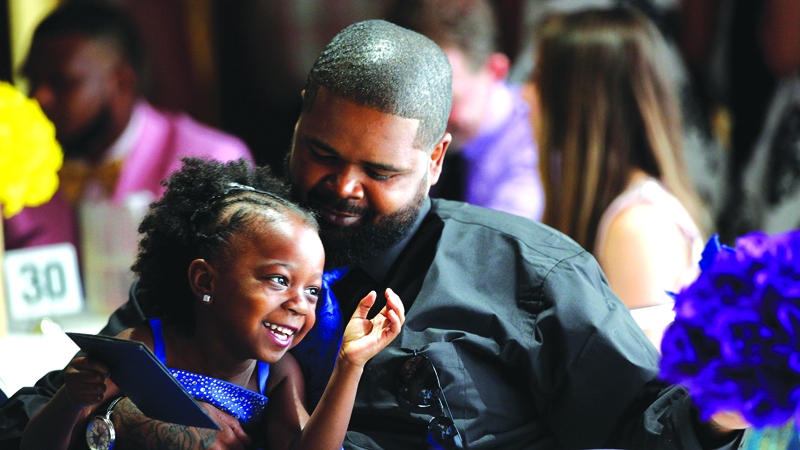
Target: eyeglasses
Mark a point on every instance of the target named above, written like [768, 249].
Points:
[417, 383]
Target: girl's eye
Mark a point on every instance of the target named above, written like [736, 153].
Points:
[278, 279]
[313, 292]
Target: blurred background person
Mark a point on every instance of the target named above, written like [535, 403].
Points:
[492, 161]
[747, 53]
[745, 56]
[771, 176]
[705, 130]
[608, 126]
[84, 68]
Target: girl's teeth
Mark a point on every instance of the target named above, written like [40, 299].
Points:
[280, 329]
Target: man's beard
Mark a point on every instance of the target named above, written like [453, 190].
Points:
[355, 244]
[79, 146]
[347, 246]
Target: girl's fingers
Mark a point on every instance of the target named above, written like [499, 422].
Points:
[364, 305]
[395, 304]
[394, 322]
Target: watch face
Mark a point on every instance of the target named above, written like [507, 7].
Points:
[100, 434]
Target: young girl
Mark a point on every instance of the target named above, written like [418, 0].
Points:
[254, 263]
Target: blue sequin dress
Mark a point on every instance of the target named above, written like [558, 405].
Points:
[247, 406]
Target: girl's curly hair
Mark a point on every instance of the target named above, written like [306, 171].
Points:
[206, 202]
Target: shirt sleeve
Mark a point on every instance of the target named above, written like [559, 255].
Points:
[596, 381]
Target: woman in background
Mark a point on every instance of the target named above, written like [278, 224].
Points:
[608, 127]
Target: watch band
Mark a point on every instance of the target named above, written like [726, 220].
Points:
[112, 405]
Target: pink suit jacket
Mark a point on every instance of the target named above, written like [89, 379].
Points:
[165, 138]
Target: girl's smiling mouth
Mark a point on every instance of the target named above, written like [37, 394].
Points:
[282, 334]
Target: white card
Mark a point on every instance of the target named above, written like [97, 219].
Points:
[43, 281]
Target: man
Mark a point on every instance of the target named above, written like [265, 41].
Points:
[84, 68]
[531, 347]
[527, 342]
[492, 161]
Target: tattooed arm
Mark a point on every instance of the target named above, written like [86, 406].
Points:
[136, 431]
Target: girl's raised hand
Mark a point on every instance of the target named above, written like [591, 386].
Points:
[85, 381]
[364, 338]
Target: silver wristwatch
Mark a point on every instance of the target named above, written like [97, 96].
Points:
[100, 432]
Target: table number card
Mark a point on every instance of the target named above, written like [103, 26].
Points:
[42, 281]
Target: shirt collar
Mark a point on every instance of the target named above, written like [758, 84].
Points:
[127, 140]
[379, 266]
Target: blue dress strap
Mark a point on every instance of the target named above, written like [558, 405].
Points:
[263, 374]
[158, 340]
[245, 405]
[161, 354]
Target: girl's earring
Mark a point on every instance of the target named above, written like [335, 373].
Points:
[206, 298]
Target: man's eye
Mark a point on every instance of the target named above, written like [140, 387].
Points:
[378, 176]
[61, 84]
[323, 157]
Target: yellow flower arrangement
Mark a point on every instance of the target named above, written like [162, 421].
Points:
[30, 156]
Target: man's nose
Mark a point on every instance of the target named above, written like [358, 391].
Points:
[347, 183]
[43, 94]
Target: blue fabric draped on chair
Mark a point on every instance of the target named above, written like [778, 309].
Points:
[317, 352]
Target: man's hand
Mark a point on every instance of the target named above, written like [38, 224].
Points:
[136, 431]
[85, 381]
[726, 422]
[722, 429]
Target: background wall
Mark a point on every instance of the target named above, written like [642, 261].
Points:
[239, 65]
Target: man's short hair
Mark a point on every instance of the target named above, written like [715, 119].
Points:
[394, 70]
[98, 21]
[469, 26]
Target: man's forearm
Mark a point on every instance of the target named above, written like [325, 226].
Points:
[137, 431]
[712, 435]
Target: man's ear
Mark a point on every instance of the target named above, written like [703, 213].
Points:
[437, 157]
[126, 82]
[201, 278]
[498, 66]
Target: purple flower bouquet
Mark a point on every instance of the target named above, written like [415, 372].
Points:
[735, 341]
